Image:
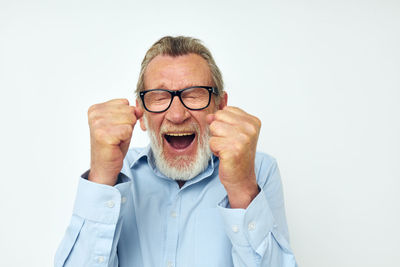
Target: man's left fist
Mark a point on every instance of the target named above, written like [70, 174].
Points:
[234, 135]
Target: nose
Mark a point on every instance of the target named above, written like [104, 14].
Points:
[177, 113]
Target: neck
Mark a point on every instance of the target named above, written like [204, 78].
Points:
[180, 183]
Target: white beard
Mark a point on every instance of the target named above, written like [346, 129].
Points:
[182, 167]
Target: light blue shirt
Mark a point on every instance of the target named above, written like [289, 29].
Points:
[147, 220]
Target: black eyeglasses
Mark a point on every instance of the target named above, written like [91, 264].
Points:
[193, 98]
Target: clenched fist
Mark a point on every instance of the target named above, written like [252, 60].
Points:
[234, 136]
[111, 125]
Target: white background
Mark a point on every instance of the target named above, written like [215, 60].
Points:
[323, 76]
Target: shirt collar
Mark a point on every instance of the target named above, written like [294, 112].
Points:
[145, 152]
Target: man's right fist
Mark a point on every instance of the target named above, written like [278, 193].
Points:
[111, 125]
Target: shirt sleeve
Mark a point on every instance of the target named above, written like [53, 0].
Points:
[259, 234]
[93, 233]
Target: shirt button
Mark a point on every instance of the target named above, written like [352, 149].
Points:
[170, 264]
[251, 226]
[110, 204]
[235, 229]
[173, 214]
[100, 259]
[123, 200]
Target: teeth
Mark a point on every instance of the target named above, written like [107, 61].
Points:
[179, 134]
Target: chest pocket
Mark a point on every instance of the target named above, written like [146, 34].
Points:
[212, 245]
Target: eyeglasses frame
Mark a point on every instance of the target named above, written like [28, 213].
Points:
[211, 90]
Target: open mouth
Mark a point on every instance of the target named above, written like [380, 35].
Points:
[179, 140]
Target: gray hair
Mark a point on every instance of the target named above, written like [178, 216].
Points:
[179, 46]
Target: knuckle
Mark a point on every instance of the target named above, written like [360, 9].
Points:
[92, 120]
[131, 109]
[228, 108]
[233, 108]
[245, 138]
[212, 141]
[236, 152]
[128, 128]
[91, 110]
[253, 126]
[218, 115]
[98, 134]
[95, 122]
[122, 101]
[253, 130]
[125, 132]
[257, 122]
[212, 127]
[130, 116]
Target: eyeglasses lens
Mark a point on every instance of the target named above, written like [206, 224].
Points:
[192, 98]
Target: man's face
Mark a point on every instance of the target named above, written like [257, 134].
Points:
[180, 135]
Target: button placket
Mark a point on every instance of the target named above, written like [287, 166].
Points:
[110, 204]
[251, 226]
[100, 259]
[235, 228]
[172, 230]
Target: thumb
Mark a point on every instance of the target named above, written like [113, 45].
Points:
[138, 112]
[210, 118]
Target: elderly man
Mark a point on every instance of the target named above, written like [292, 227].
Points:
[199, 195]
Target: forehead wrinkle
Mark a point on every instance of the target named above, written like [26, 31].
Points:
[181, 84]
[184, 80]
[183, 74]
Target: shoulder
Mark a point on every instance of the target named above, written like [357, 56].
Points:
[266, 166]
[264, 158]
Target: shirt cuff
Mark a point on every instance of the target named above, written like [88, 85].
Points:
[99, 202]
[251, 226]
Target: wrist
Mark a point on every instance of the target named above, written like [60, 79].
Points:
[240, 196]
[102, 178]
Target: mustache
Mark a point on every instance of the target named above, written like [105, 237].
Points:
[168, 128]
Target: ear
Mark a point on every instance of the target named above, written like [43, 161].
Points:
[223, 102]
[141, 120]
